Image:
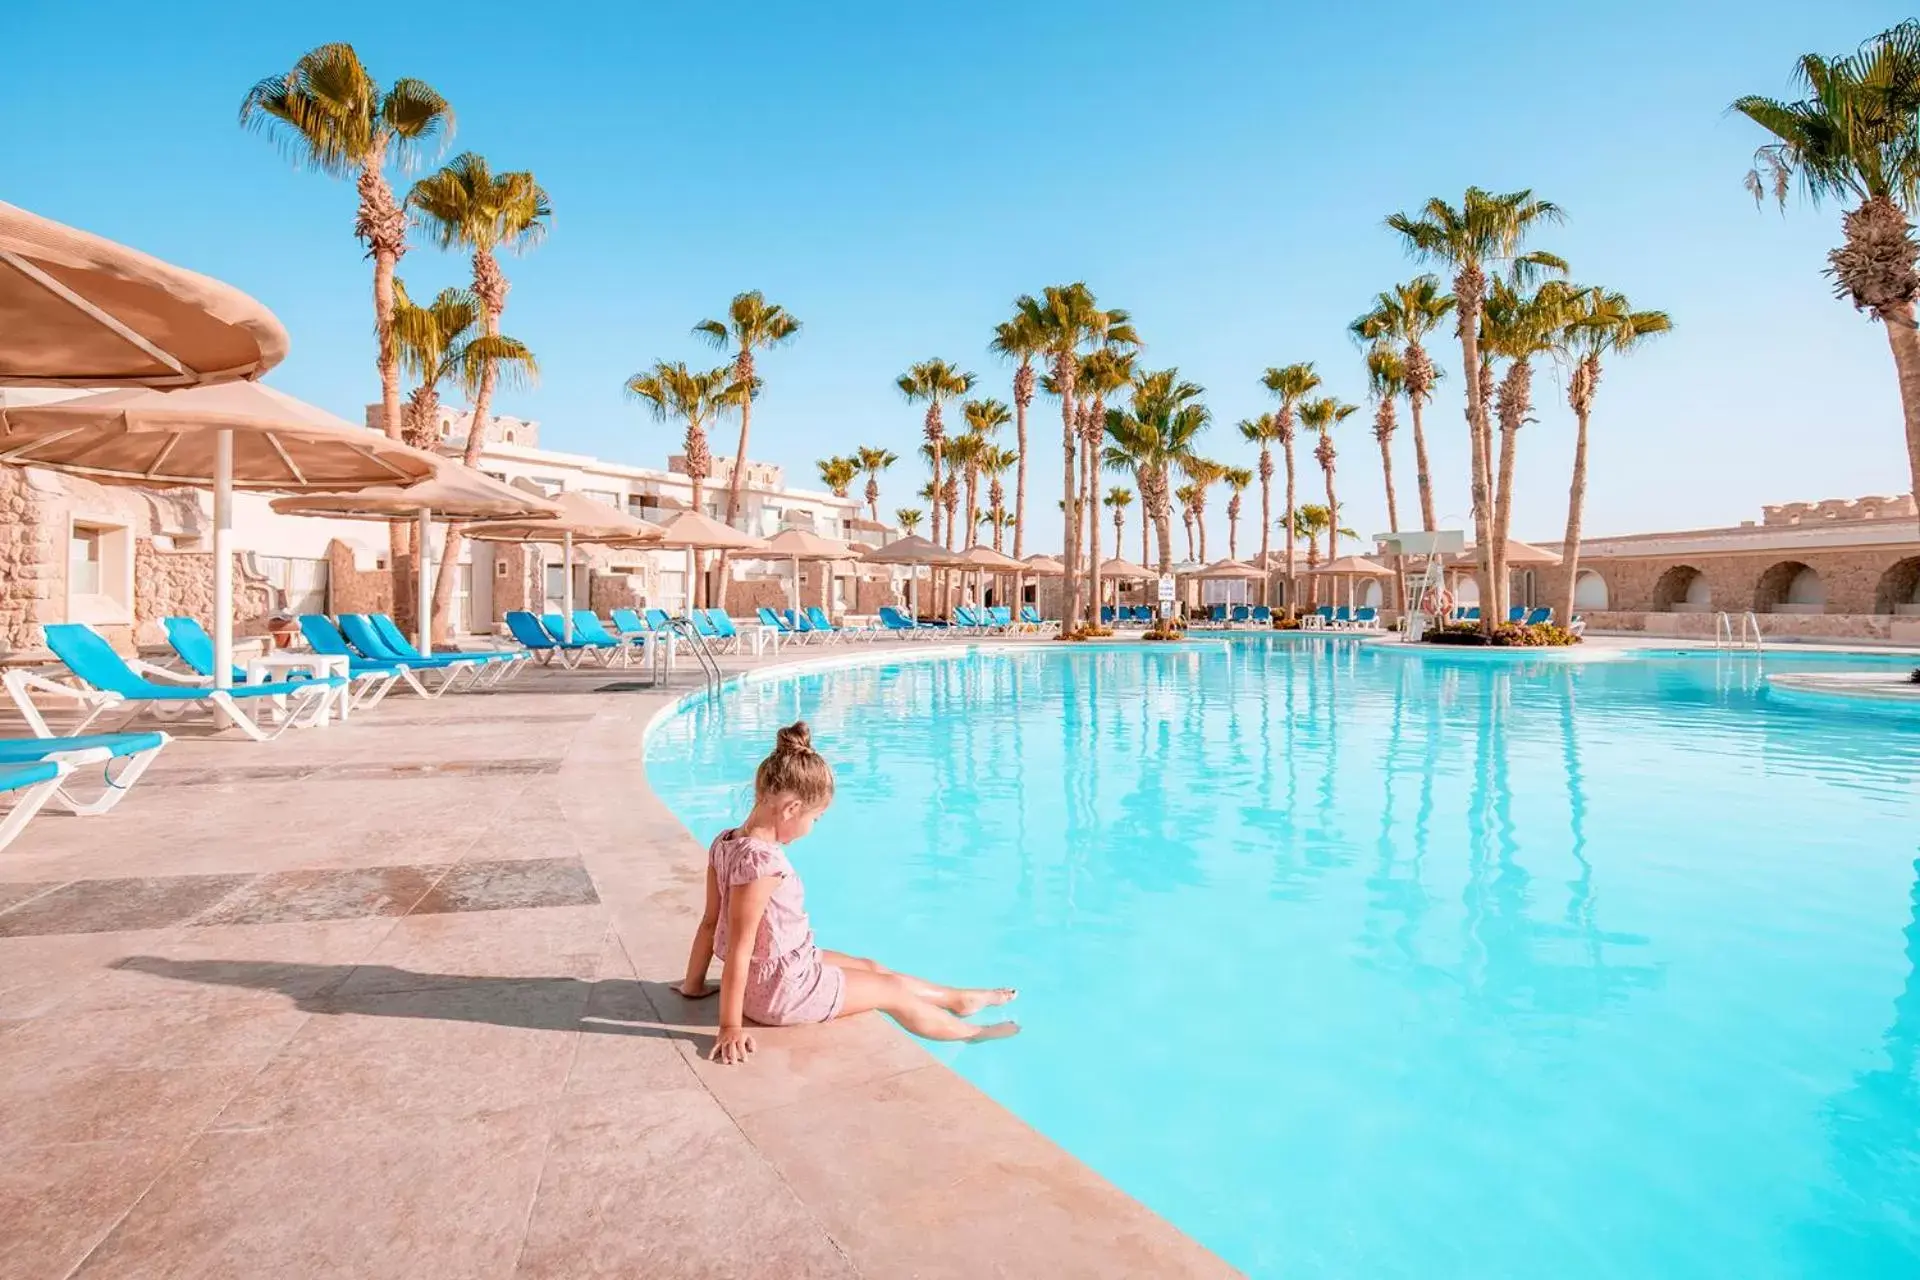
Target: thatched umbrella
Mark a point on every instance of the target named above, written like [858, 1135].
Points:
[795, 545]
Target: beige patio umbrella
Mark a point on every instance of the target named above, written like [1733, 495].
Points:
[237, 435]
[697, 532]
[454, 493]
[581, 520]
[914, 551]
[1225, 570]
[1350, 568]
[1037, 566]
[983, 560]
[795, 545]
[79, 310]
[1518, 552]
[1119, 569]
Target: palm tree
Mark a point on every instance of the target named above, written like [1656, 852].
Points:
[1154, 434]
[838, 474]
[1406, 314]
[466, 204]
[752, 323]
[671, 390]
[1852, 138]
[1291, 384]
[1313, 520]
[1118, 500]
[1263, 431]
[1323, 415]
[963, 460]
[1386, 382]
[872, 460]
[984, 418]
[908, 518]
[1187, 495]
[1064, 317]
[1517, 326]
[994, 463]
[1106, 370]
[1609, 327]
[1202, 474]
[437, 342]
[1487, 230]
[329, 113]
[1237, 478]
[934, 382]
[1019, 340]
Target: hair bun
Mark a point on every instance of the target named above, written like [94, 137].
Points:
[795, 739]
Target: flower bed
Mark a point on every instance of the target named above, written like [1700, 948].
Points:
[1508, 635]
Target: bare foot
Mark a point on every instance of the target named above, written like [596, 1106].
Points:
[975, 999]
[994, 1031]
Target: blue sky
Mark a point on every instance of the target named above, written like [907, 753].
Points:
[896, 175]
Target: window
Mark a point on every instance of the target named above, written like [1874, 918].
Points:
[603, 495]
[548, 485]
[301, 583]
[99, 573]
[83, 561]
[556, 583]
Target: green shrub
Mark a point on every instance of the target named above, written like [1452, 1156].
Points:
[1507, 635]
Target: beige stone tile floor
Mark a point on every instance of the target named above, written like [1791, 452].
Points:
[391, 999]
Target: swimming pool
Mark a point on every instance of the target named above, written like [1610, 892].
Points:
[1355, 964]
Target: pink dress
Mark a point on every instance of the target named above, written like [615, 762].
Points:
[786, 980]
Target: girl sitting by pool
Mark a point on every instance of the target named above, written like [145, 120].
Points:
[756, 923]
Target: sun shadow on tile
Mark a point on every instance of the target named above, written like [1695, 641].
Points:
[509, 885]
[610, 1006]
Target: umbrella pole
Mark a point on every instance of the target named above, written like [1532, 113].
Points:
[686, 604]
[223, 560]
[793, 562]
[566, 588]
[422, 590]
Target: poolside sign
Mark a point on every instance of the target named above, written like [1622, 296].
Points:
[1166, 588]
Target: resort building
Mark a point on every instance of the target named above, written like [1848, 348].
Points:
[1842, 569]
[123, 558]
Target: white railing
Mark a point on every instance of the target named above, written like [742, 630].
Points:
[1747, 637]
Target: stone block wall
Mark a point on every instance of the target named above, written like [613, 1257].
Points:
[170, 584]
[351, 589]
[1853, 578]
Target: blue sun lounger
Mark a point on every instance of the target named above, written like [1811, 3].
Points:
[81, 752]
[324, 636]
[526, 629]
[30, 786]
[590, 631]
[368, 682]
[113, 681]
[366, 643]
[498, 663]
[602, 647]
[896, 621]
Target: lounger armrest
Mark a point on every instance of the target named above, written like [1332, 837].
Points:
[22, 685]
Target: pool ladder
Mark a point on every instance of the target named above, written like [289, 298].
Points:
[1748, 637]
[689, 635]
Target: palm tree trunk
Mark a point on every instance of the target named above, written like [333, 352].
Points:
[1422, 476]
[1020, 467]
[973, 508]
[1266, 520]
[382, 225]
[1393, 522]
[1163, 527]
[1515, 401]
[1469, 286]
[1576, 510]
[1093, 534]
[743, 374]
[933, 503]
[1069, 510]
[1200, 523]
[491, 289]
[1904, 339]
[1292, 581]
[1146, 553]
[1333, 521]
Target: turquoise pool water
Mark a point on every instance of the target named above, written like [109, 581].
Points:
[1354, 964]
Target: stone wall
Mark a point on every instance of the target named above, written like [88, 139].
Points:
[25, 561]
[351, 589]
[1856, 579]
[168, 584]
